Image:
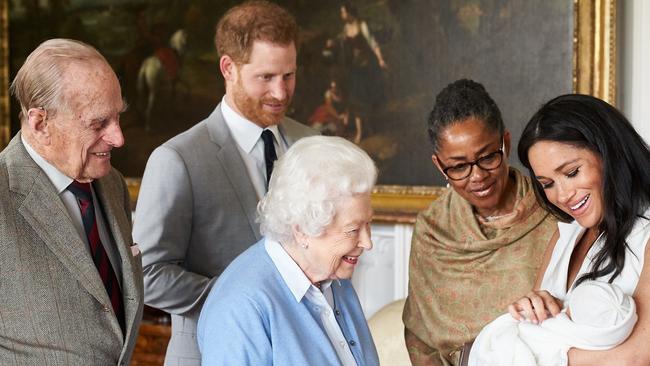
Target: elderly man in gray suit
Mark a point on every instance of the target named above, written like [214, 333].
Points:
[197, 203]
[70, 277]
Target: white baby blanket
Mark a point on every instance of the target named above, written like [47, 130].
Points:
[601, 318]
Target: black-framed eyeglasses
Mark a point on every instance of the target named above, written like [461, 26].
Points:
[487, 162]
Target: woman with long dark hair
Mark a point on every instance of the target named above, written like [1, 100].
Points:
[591, 169]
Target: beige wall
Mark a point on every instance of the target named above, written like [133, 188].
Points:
[634, 63]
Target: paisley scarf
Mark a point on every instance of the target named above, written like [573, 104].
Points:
[460, 279]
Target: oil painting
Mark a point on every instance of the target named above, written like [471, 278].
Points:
[368, 70]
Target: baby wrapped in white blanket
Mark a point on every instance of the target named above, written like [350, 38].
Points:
[600, 316]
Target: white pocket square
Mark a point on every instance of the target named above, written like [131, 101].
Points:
[135, 250]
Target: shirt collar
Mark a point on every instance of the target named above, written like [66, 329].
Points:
[58, 179]
[291, 273]
[245, 132]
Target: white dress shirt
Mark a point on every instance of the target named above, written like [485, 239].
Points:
[61, 183]
[248, 137]
[300, 287]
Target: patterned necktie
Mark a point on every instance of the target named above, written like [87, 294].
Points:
[269, 153]
[84, 196]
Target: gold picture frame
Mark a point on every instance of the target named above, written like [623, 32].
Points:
[594, 72]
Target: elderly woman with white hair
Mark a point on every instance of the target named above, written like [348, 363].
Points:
[288, 299]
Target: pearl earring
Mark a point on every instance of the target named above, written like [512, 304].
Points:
[304, 245]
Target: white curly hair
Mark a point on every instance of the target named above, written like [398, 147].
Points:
[308, 181]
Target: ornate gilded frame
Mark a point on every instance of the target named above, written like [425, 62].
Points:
[594, 72]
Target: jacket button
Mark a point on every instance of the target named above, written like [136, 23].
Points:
[106, 309]
[352, 342]
[337, 312]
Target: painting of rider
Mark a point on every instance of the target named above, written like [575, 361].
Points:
[368, 70]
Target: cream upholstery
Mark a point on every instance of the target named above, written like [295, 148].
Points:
[387, 331]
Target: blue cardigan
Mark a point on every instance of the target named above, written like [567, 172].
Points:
[252, 318]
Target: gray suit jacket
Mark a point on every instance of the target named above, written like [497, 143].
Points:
[195, 213]
[54, 309]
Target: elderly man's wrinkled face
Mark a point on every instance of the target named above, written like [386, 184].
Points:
[335, 253]
[83, 133]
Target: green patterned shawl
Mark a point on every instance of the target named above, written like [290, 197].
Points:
[459, 279]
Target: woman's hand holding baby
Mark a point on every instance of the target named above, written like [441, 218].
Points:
[536, 307]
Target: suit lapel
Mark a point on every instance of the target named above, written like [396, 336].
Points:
[44, 211]
[231, 160]
[108, 193]
[289, 132]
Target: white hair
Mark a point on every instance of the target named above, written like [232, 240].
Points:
[38, 82]
[308, 181]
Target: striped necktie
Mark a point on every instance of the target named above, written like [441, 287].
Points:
[84, 196]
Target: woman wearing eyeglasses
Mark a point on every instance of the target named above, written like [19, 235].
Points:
[478, 247]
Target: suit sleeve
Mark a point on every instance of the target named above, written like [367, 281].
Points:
[162, 228]
[232, 331]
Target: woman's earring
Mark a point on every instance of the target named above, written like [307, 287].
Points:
[304, 245]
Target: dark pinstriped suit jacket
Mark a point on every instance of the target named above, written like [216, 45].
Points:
[54, 309]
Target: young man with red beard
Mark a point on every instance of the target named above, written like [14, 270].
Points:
[197, 202]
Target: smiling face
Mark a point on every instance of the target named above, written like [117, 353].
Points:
[572, 179]
[261, 90]
[335, 253]
[467, 141]
[83, 133]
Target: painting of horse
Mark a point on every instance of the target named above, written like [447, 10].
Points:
[160, 73]
[368, 70]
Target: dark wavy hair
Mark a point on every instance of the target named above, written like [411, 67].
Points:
[459, 101]
[590, 123]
